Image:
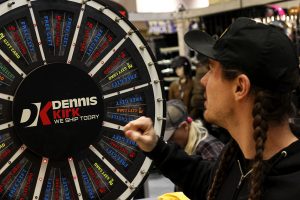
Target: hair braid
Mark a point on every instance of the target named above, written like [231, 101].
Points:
[220, 171]
[260, 126]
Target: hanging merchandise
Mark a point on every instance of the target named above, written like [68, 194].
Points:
[162, 27]
[72, 74]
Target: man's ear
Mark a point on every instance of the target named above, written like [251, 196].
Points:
[242, 86]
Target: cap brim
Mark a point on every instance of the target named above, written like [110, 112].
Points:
[201, 42]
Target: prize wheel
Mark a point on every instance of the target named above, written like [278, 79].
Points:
[72, 74]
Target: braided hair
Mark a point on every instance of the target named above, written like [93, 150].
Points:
[260, 126]
[268, 107]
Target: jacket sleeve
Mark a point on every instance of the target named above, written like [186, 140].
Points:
[191, 173]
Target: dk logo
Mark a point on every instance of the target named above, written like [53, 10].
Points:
[30, 116]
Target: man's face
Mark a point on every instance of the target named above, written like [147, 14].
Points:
[219, 99]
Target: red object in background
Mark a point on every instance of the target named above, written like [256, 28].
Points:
[119, 8]
[275, 10]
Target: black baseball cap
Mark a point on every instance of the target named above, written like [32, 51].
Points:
[180, 61]
[262, 52]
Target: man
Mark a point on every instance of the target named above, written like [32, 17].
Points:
[253, 71]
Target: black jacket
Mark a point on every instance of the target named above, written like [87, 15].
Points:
[193, 175]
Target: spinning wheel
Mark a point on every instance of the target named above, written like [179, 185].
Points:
[72, 74]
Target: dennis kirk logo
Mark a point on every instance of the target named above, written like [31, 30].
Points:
[57, 112]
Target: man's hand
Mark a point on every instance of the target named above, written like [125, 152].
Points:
[142, 132]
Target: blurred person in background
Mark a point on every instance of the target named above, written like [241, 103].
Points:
[182, 88]
[190, 134]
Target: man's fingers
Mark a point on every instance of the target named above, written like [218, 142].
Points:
[141, 131]
[141, 123]
[145, 142]
[133, 135]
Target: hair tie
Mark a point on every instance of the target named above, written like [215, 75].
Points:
[189, 120]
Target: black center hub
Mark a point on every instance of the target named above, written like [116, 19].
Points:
[57, 111]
